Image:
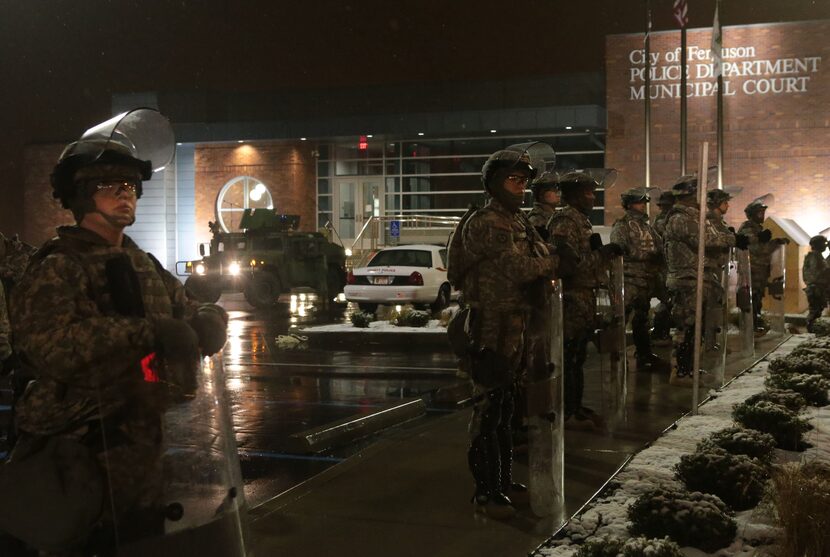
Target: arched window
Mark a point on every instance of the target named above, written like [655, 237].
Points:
[240, 193]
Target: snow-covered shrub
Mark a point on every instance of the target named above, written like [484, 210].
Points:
[816, 342]
[741, 441]
[801, 363]
[362, 319]
[689, 518]
[801, 499]
[409, 317]
[632, 547]
[787, 398]
[738, 480]
[820, 353]
[821, 327]
[784, 425]
[812, 387]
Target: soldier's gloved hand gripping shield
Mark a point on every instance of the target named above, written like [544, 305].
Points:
[199, 496]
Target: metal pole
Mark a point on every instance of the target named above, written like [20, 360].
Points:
[701, 254]
[720, 106]
[683, 101]
[647, 94]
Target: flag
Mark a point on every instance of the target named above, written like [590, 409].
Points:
[681, 12]
[717, 44]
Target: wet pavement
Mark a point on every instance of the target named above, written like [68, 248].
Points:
[277, 393]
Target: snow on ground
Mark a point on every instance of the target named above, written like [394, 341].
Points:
[655, 466]
[433, 327]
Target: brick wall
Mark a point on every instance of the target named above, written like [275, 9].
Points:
[774, 142]
[286, 168]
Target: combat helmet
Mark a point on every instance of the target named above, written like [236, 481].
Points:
[547, 181]
[757, 205]
[532, 157]
[685, 186]
[634, 195]
[714, 198]
[666, 200]
[818, 242]
[138, 143]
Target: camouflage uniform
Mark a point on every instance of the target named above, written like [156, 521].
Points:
[662, 314]
[681, 256]
[5, 327]
[572, 227]
[496, 291]
[815, 273]
[86, 357]
[641, 268]
[540, 215]
[714, 263]
[760, 254]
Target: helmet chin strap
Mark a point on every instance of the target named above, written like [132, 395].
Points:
[112, 220]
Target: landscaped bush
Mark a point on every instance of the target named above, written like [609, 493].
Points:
[787, 398]
[738, 480]
[632, 547]
[806, 361]
[821, 327]
[812, 387]
[362, 319]
[783, 424]
[816, 342]
[409, 317]
[821, 353]
[689, 518]
[801, 499]
[742, 441]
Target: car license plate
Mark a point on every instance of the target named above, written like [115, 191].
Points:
[382, 280]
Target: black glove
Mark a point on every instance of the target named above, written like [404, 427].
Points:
[765, 236]
[731, 229]
[176, 341]
[782, 241]
[656, 258]
[595, 241]
[210, 324]
[741, 241]
[568, 260]
[611, 250]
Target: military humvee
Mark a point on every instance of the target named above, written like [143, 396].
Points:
[270, 257]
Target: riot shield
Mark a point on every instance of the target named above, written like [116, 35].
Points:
[611, 342]
[722, 326]
[195, 481]
[775, 288]
[743, 302]
[546, 456]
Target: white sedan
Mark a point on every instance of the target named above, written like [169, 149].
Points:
[414, 274]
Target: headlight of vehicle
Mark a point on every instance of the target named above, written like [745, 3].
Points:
[200, 269]
[233, 268]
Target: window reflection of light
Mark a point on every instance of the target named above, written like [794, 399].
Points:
[293, 307]
[302, 297]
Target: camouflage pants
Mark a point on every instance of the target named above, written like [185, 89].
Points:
[490, 455]
[817, 300]
[684, 296]
[637, 306]
[579, 316]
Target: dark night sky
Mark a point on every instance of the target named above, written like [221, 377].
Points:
[61, 60]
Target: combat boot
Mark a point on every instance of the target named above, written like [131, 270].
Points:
[650, 363]
[680, 379]
[579, 422]
[497, 506]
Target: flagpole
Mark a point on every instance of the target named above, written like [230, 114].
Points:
[719, 69]
[647, 95]
[683, 101]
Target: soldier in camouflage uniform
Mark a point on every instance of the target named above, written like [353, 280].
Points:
[109, 336]
[546, 197]
[681, 241]
[508, 258]
[761, 246]
[661, 334]
[717, 204]
[816, 274]
[642, 261]
[571, 228]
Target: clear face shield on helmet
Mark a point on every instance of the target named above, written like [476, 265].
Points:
[758, 204]
[143, 133]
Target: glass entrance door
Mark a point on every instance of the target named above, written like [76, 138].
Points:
[357, 199]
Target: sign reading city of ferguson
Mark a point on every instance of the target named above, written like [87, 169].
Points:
[779, 76]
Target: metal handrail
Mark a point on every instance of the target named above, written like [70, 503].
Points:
[435, 222]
